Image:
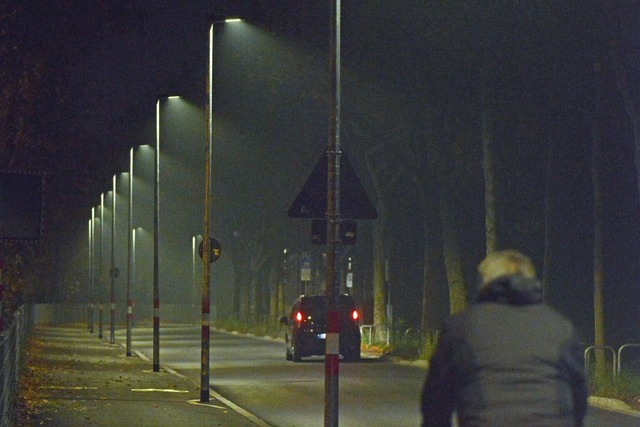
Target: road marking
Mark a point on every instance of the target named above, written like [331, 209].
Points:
[257, 421]
[142, 356]
[239, 410]
[197, 402]
[161, 390]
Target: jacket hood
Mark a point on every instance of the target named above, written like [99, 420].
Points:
[516, 289]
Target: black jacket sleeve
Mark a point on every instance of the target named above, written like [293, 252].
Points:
[573, 363]
[437, 395]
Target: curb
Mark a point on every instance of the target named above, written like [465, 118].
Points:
[613, 405]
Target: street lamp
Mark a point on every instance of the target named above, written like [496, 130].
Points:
[113, 271]
[90, 311]
[206, 245]
[130, 254]
[134, 233]
[137, 233]
[156, 244]
[100, 272]
[193, 269]
[281, 291]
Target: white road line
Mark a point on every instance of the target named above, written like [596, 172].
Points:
[239, 410]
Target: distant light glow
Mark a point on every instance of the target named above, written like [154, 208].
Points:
[233, 20]
[173, 97]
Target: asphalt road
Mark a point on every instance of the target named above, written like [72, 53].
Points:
[253, 374]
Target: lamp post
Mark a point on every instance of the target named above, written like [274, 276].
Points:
[193, 269]
[156, 243]
[100, 272]
[282, 288]
[113, 271]
[206, 245]
[156, 231]
[91, 272]
[134, 234]
[206, 301]
[130, 254]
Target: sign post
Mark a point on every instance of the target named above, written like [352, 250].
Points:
[332, 349]
[331, 191]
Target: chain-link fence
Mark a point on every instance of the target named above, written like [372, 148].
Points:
[13, 339]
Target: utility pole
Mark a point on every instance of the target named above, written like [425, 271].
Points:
[332, 352]
[206, 283]
[130, 256]
[114, 270]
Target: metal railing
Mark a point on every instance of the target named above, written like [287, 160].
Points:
[589, 349]
[12, 341]
[399, 336]
[376, 334]
[622, 347]
[616, 356]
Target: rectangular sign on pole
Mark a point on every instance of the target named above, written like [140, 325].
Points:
[305, 268]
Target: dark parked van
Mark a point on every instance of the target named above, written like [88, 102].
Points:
[307, 328]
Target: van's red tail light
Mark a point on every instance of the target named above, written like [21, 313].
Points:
[355, 315]
[299, 316]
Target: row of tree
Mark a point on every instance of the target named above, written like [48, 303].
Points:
[474, 127]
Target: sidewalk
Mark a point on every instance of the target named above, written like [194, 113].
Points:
[73, 378]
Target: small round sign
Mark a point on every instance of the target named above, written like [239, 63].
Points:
[214, 249]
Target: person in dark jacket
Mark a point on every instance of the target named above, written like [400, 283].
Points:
[509, 360]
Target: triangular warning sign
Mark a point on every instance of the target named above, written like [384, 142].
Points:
[311, 202]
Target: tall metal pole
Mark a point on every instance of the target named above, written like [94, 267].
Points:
[133, 258]
[282, 288]
[91, 272]
[332, 361]
[93, 268]
[194, 282]
[130, 254]
[206, 246]
[100, 272]
[156, 241]
[112, 336]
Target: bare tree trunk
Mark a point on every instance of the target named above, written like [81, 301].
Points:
[430, 294]
[548, 203]
[237, 308]
[621, 72]
[489, 178]
[275, 283]
[245, 302]
[256, 298]
[379, 289]
[458, 294]
[598, 275]
[431, 300]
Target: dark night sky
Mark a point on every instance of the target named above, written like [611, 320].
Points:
[402, 60]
